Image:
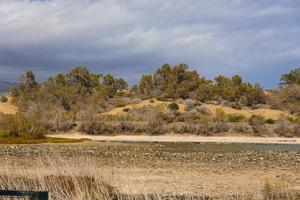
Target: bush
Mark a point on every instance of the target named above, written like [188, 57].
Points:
[284, 128]
[236, 118]
[173, 106]
[258, 125]
[257, 120]
[95, 127]
[161, 98]
[57, 120]
[3, 99]
[220, 127]
[241, 128]
[296, 130]
[270, 121]
[20, 125]
[236, 106]
[153, 126]
[125, 126]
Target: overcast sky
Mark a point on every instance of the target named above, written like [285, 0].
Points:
[259, 39]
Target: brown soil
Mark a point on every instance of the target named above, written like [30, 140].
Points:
[136, 168]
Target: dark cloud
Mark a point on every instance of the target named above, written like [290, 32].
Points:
[258, 39]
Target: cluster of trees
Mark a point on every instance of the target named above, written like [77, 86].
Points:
[69, 91]
[74, 90]
[180, 82]
[287, 97]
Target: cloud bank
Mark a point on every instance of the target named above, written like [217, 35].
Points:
[258, 39]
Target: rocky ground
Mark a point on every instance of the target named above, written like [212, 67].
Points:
[166, 168]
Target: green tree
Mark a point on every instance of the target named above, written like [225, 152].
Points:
[293, 77]
[146, 85]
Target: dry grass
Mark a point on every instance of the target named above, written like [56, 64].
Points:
[65, 180]
[152, 102]
[81, 179]
[8, 107]
[267, 113]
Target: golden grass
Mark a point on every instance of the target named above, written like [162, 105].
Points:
[8, 107]
[22, 140]
[267, 113]
[80, 178]
[160, 104]
[64, 179]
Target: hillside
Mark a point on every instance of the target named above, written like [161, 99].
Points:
[247, 112]
[8, 107]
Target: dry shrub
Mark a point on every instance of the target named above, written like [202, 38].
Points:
[240, 128]
[279, 191]
[296, 130]
[220, 127]
[190, 104]
[220, 115]
[284, 128]
[62, 178]
[3, 99]
[153, 125]
[95, 126]
[173, 106]
[20, 125]
[125, 126]
[258, 124]
[179, 128]
[236, 117]
[58, 120]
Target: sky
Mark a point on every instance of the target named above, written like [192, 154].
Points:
[258, 39]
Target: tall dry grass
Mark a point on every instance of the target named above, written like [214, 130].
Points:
[80, 179]
[64, 179]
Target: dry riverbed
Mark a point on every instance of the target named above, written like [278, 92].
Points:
[141, 167]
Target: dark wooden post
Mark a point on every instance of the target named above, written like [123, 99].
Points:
[31, 194]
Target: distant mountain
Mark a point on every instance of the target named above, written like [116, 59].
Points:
[6, 86]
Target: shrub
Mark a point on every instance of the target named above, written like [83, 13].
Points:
[279, 191]
[270, 121]
[258, 125]
[161, 98]
[126, 109]
[220, 115]
[179, 128]
[236, 106]
[173, 106]
[190, 104]
[296, 130]
[236, 118]
[220, 127]
[125, 126]
[241, 128]
[95, 127]
[203, 109]
[257, 120]
[57, 120]
[3, 99]
[204, 129]
[153, 126]
[20, 125]
[284, 128]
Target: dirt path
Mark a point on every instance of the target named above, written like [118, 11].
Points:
[182, 138]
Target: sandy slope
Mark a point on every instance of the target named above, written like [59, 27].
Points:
[182, 138]
[8, 107]
[267, 113]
